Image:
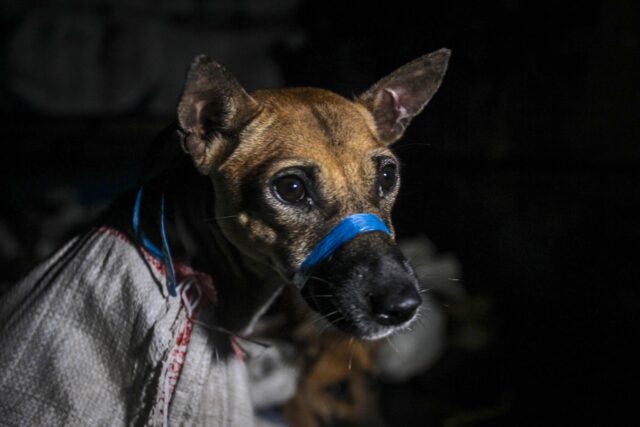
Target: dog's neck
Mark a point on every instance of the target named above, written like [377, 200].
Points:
[245, 288]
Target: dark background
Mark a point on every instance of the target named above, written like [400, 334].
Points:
[525, 164]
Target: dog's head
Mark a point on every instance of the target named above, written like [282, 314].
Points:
[288, 165]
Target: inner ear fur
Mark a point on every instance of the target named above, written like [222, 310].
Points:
[396, 99]
[213, 106]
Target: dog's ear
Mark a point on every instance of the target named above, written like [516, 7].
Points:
[213, 106]
[397, 98]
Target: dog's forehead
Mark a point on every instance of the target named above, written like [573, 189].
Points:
[306, 118]
[309, 124]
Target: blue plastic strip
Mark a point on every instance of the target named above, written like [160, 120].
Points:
[146, 243]
[163, 255]
[171, 273]
[343, 232]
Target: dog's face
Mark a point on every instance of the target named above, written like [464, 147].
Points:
[288, 165]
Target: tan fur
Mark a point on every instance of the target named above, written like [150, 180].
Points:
[336, 363]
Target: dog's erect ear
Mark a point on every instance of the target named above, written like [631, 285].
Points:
[212, 107]
[400, 96]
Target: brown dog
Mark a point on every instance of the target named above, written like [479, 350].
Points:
[95, 335]
[288, 165]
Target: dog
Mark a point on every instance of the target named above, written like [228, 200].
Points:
[134, 321]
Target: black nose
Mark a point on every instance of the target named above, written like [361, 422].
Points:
[395, 308]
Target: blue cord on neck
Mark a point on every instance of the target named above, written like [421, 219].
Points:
[163, 255]
[343, 232]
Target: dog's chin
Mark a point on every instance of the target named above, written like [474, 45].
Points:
[353, 321]
[368, 330]
[384, 331]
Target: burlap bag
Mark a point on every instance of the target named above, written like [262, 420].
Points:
[91, 337]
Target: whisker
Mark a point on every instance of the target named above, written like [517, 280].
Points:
[230, 333]
[434, 276]
[351, 351]
[280, 273]
[392, 345]
[309, 326]
[313, 325]
[325, 316]
[320, 279]
[329, 324]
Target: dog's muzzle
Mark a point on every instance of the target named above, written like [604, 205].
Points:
[343, 232]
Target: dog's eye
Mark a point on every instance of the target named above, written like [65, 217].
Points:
[290, 189]
[387, 178]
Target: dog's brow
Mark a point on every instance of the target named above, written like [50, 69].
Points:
[324, 125]
[381, 151]
[291, 162]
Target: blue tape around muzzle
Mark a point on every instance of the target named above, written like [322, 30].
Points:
[342, 233]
